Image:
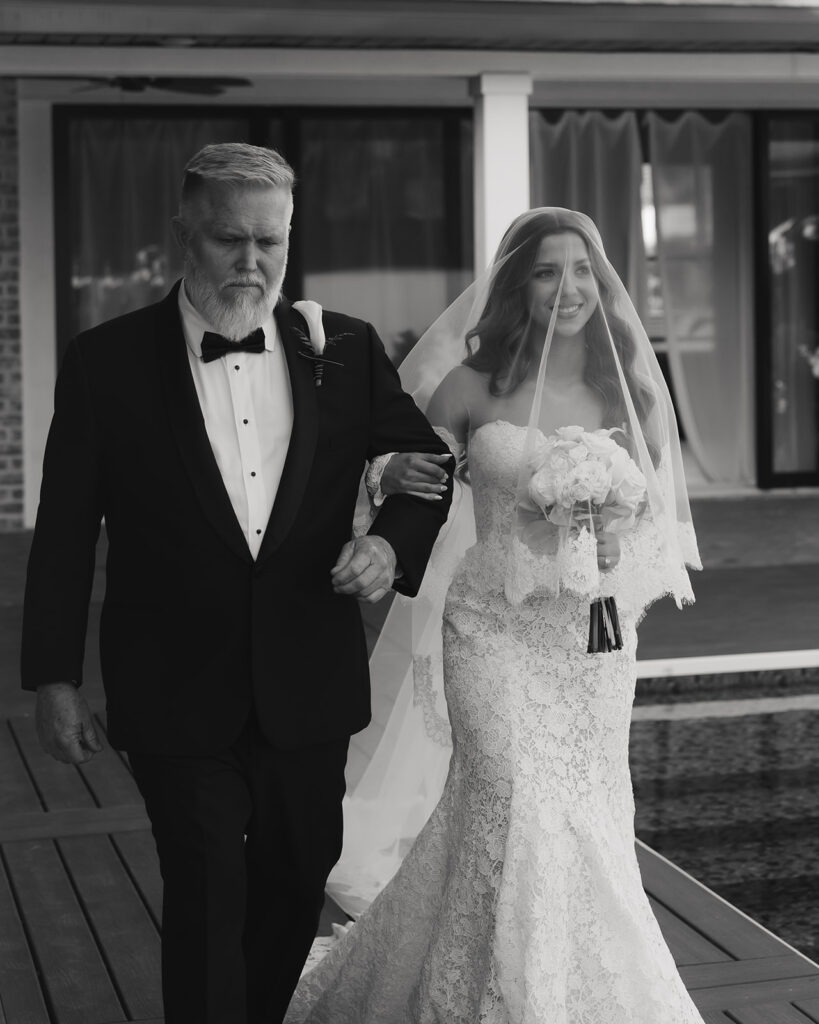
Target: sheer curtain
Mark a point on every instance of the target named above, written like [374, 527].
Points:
[702, 197]
[593, 163]
[124, 174]
[384, 219]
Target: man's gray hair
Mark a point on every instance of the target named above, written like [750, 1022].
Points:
[235, 163]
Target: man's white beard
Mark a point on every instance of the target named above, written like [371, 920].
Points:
[239, 316]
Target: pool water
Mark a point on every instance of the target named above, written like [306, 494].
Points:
[734, 801]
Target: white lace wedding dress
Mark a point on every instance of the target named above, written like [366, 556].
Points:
[521, 900]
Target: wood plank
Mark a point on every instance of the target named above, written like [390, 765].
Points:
[810, 1007]
[72, 822]
[138, 851]
[688, 945]
[109, 780]
[21, 998]
[734, 997]
[120, 920]
[109, 775]
[60, 785]
[704, 910]
[738, 972]
[770, 1013]
[17, 792]
[74, 974]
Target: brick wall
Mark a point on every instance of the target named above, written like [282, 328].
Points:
[11, 451]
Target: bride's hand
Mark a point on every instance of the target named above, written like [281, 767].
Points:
[608, 550]
[420, 474]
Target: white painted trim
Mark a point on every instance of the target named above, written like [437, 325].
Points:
[717, 664]
[500, 84]
[740, 707]
[260, 63]
[501, 170]
[38, 315]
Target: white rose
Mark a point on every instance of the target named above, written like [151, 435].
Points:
[559, 463]
[542, 489]
[627, 481]
[592, 482]
[618, 464]
[600, 443]
[311, 311]
[578, 453]
[576, 492]
[570, 433]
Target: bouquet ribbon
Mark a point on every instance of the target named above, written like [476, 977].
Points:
[604, 627]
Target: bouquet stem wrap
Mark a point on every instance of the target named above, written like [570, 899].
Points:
[604, 627]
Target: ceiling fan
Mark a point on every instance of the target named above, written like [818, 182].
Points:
[191, 86]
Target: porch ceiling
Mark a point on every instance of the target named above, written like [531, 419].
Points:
[514, 25]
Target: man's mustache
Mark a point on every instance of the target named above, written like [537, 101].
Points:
[244, 283]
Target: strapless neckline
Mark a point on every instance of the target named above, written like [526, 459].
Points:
[500, 423]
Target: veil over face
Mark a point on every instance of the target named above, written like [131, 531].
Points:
[547, 340]
[547, 343]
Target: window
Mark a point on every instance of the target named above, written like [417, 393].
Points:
[382, 226]
[789, 392]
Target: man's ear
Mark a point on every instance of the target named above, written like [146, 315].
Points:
[181, 232]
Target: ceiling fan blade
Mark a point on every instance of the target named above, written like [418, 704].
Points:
[197, 86]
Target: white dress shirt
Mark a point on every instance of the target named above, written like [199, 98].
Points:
[247, 405]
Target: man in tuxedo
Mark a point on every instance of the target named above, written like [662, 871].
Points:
[225, 454]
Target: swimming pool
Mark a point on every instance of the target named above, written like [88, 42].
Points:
[732, 796]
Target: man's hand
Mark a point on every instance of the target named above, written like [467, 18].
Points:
[64, 724]
[365, 568]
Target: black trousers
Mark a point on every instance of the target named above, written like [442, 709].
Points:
[239, 914]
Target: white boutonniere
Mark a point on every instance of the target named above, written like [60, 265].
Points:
[313, 345]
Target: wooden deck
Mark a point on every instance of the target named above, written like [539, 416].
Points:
[80, 898]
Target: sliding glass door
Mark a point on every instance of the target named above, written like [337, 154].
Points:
[789, 310]
[383, 215]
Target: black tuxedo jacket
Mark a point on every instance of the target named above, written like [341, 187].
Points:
[194, 632]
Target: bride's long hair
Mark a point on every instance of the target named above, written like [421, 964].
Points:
[500, 343]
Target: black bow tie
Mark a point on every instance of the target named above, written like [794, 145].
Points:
[214, 345]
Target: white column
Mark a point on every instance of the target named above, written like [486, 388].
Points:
[38, 343]
[501, 157]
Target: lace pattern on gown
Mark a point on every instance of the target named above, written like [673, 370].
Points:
[521, 900]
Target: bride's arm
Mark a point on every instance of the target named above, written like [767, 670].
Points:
[419, 473]
[449, 408]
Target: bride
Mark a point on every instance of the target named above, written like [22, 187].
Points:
[520, 901]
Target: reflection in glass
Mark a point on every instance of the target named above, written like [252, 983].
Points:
[124, 176]
[793, 260]
[702, 200]
[385, 218]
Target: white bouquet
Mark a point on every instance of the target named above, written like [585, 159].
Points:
[584, 479]
[578, 473]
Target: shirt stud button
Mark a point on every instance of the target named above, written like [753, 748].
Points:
[236, 367]
[253, 473]
[258, 531]
[245, 422]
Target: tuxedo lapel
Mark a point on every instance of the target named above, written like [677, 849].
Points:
[188, 427]
[303, 438]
